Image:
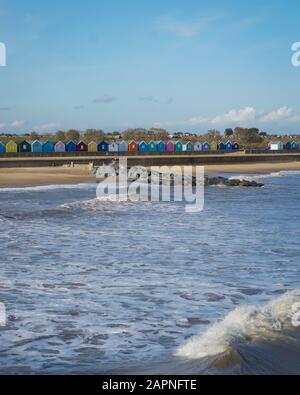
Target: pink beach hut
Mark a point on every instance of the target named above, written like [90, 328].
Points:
[60, 147]
[170, 146]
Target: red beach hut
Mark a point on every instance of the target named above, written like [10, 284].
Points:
[133, 146]
[82, 147]
[170, 146]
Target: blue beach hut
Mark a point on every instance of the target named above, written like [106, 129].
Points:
[206, 146]
[71, 146]
[161, 146]
[222, 147]
[103, 146]
[36, 146]
[152, 147]
[48, 146]
[229, 146]
[143, 146]
[294, 146]
[2, 148]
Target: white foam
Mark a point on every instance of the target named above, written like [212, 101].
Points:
[45, 188]
[2, 315]
[252, 177]
[243, 324]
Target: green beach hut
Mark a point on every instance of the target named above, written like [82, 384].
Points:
[178, 146]
[152, 147]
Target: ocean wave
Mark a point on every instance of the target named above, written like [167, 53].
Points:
[246, 324]
[253, 177]
[46, 188]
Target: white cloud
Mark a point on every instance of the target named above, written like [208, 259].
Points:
[17, 124]
[246, 114]
[2, 125]
[182, 28]
[49, 126]
[282, 114]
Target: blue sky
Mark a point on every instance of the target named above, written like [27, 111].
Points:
[183, 65]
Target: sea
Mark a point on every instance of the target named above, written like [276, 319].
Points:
[98, 287]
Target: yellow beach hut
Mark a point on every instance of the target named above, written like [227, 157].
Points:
[214, 146]
[11, 147]
[93, 147]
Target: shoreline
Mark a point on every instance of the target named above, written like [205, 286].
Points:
[40, 176]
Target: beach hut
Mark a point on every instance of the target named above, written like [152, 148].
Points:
[288, 146]
[161, 146]
[293, 146]
[103, 146]
[170, 146]
[214, 146]
[92, 147]
[178, 146]
[36, 146]
[143, 146]
[2, 148]
[81, 147]
[236, 146]
[48, 147]
[298, 147]
[152, 146]
[123, 146]
[60, 147]
[229, 146]
[206, 146]
[221, 146]
[71, 146]
[133, 146]
[198, 146]
[11, 147]
[24, 146]
[278, 146]
[113, 147]
[188, 147]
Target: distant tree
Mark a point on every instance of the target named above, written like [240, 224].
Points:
[248, 137]
[73, 134]
[60, 136]
[33, 136]
[228, 132]
[93, 135]
[212, 135]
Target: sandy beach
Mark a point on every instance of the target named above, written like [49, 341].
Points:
[64, 175]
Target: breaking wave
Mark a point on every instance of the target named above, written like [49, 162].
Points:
[2, 315]
[252, 177]
[244, 325]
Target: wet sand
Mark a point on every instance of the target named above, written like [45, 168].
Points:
[64, 175]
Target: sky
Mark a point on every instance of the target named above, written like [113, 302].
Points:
[188, 65]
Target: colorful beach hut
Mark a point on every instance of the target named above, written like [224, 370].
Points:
[288, 146]
[152, 147]
[92, 147]
[11, 147]
[123, 146]
[71, 146]
[143, 146]
[60, 147]
[298, 147]
[293, 146]
[214, 146]
[170, 146]
[229, 146]
[48, 147]
[278, 146]
[36, 146]
[113, 147]
[133, 147]
[236, 146]
[188, 147]
[198, 146]
[103, 146]
[24, 146]
[2, 148]
[161, 146]
[221, 146]
[178, 146]
[81, 147]
[206, 146]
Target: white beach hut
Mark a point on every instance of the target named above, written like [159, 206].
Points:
[198, 146]
[113, 147]
[59, 147]
[278, 146]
